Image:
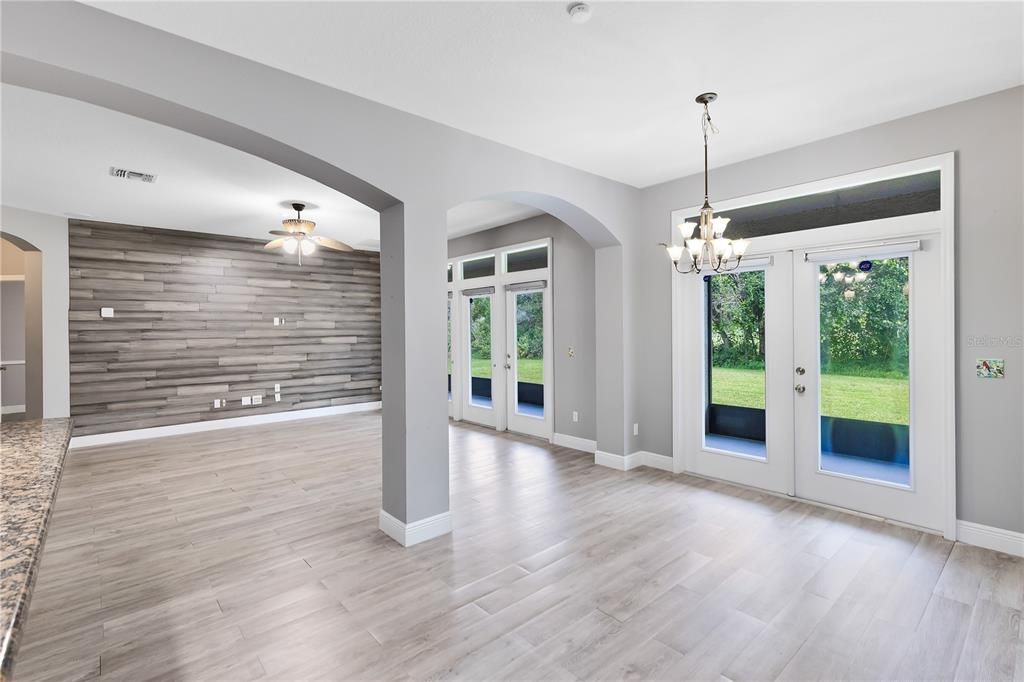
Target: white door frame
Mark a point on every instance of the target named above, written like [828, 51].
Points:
[501, 402]
[940, 223]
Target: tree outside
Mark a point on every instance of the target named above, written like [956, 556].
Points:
[865, 342]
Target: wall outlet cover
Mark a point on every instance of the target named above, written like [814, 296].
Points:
[636, 429]
[246, 400]
[575, 416]
[257, 400]
[106, 312]
[277, 397]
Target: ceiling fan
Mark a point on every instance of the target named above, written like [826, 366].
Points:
[297, 236]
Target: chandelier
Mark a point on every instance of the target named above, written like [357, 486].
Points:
[705, 245]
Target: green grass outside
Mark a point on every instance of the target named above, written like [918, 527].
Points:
[877, 399]
[531, 370]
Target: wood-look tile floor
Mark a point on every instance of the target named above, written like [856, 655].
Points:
[254, 554]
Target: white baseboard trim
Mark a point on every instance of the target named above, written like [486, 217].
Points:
[409, 534]
[216, 424]
[12, 409]
[640, 458]
[656, 461]
[617, 462]
[574, 442]
[990, 537]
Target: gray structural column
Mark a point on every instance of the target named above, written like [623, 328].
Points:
[414, 458]
[609, 311]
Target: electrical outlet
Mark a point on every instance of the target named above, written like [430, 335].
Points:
[246, 400]
[216, 403]
[277, 397]
[277, 388]
[106, 312]
[257, 400]
[278, 321]
[636, 429]
[575, 416]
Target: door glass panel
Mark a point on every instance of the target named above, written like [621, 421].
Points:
[529, 366]
[449, 344]
[735, 415]
[480, 351]
[864, 336]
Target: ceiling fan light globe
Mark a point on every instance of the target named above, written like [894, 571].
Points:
[291, 245]
[308, 246]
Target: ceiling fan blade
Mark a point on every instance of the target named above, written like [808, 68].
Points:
[329, 243]
[275, 244]
[284, 233]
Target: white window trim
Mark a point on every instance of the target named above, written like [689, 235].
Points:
[909, 226]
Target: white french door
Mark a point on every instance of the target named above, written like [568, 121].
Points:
[500, 339]
[868, 434]
[738, 421]
[847, 402]
[528, 363]
[482, 379]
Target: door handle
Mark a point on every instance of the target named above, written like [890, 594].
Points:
[799, 388]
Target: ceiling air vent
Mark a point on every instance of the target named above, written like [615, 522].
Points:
[126, 174]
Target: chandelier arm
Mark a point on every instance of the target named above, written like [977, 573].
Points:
[684, 272]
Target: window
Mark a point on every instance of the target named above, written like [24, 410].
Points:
[479, 267]
[527, 259]
[906, 195]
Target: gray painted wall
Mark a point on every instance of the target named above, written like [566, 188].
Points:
[572, 280]
[986, 134]
[49, 234]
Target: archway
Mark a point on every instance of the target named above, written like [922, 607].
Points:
[582, 328]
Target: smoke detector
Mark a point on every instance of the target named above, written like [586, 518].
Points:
[579, 12]
[126, 174]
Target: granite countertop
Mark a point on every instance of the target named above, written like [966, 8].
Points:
[31, 461]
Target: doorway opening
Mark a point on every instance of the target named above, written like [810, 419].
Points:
[21, 332]
[500, 358]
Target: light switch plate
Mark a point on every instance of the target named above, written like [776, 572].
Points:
[257, 400]
[106, 312]
[575, 416]
[277, 321]
[247, 400]
[636, 429]
[277, 397]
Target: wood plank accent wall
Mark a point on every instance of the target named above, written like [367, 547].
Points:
[193, 321]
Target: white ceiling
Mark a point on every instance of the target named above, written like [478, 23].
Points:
[57, 153]
[614, 96]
